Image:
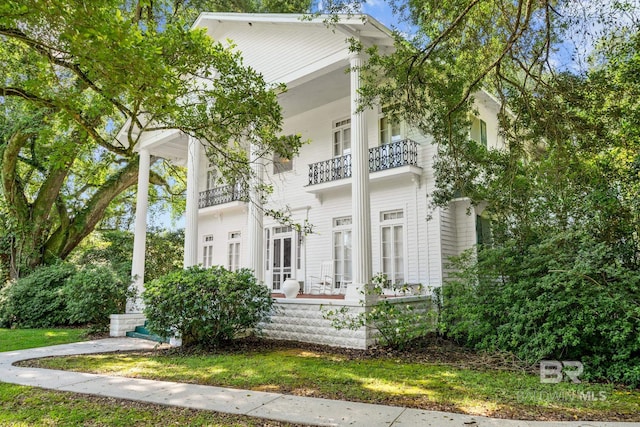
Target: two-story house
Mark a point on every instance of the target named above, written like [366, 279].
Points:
[362, 182]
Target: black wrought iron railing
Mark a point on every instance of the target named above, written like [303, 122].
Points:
[393, 155]
[223, 194]
[330, 170]
[383, 157]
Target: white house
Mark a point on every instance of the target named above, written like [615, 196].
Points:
[362, 182]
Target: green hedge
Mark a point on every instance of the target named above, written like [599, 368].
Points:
[567, 297]
[37, 300]
[61, 295]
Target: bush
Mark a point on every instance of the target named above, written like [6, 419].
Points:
[205, 306]
[396, 323]
[567, 297]
[37, 300]
[94, 293]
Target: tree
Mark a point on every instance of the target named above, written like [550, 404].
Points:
[560, 275]
[73, 74]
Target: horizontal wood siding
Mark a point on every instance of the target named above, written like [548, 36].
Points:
[276, 50]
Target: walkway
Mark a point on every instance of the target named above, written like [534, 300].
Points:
[294, 409]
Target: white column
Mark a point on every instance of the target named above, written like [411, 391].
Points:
[191, 214]
[140, 231]
[360, 205]
[255, 235]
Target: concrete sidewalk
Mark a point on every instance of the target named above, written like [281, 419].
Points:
[275, 406]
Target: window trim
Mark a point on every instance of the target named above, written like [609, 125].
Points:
[340, 225]
[389, 128]
[340, 126]
[399, 220]
[207, 250]
[234, 254]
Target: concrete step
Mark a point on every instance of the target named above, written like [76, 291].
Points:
[146, 336]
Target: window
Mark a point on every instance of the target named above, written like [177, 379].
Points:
[267, 239]
[389, 131]
[391, 215]
[483, 230]
[212, 176]
[342, 138]
[207, 251]
[342, 251]
[281, 164]
[234, 251]
[299, 252]
[479, 131]
[392, 246]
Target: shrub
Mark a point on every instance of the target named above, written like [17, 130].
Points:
[37, 300]
[396, 323]
[567, 297]
[206, 306]
[94, 293]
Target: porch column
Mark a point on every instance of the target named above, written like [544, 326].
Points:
[360, 205]
[140, 231]
[191, 214]
[255, 233]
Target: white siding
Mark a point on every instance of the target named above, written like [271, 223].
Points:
[278, 50]
[219, 225]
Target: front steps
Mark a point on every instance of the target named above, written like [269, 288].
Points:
[143, 333]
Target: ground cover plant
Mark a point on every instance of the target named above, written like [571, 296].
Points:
[435, 375]
[31, 406]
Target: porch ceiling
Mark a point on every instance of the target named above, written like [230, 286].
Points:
[321, 90]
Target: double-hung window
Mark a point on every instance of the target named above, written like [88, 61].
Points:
[341, 137]
[390, 131]
[479, 131]
[392, 246]
[342, 250]
[212, 176]
[207, 251]
[234, 251]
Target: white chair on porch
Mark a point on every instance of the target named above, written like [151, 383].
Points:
[322, 284]
[340, 288]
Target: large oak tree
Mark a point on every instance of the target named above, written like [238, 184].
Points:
[73, 72]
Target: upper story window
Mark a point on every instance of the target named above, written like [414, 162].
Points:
[212, 176]
[479, 131]
[390, 131]
[341, 137]
[281, 164]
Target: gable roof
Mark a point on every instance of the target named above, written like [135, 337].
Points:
[288, 47]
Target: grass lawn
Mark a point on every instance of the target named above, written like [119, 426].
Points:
[31, 406]
[428, 381]
[17, 339]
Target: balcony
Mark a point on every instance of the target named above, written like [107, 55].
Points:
[223, 195]
[397, 158]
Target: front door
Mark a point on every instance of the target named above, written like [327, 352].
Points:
[282, 259]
